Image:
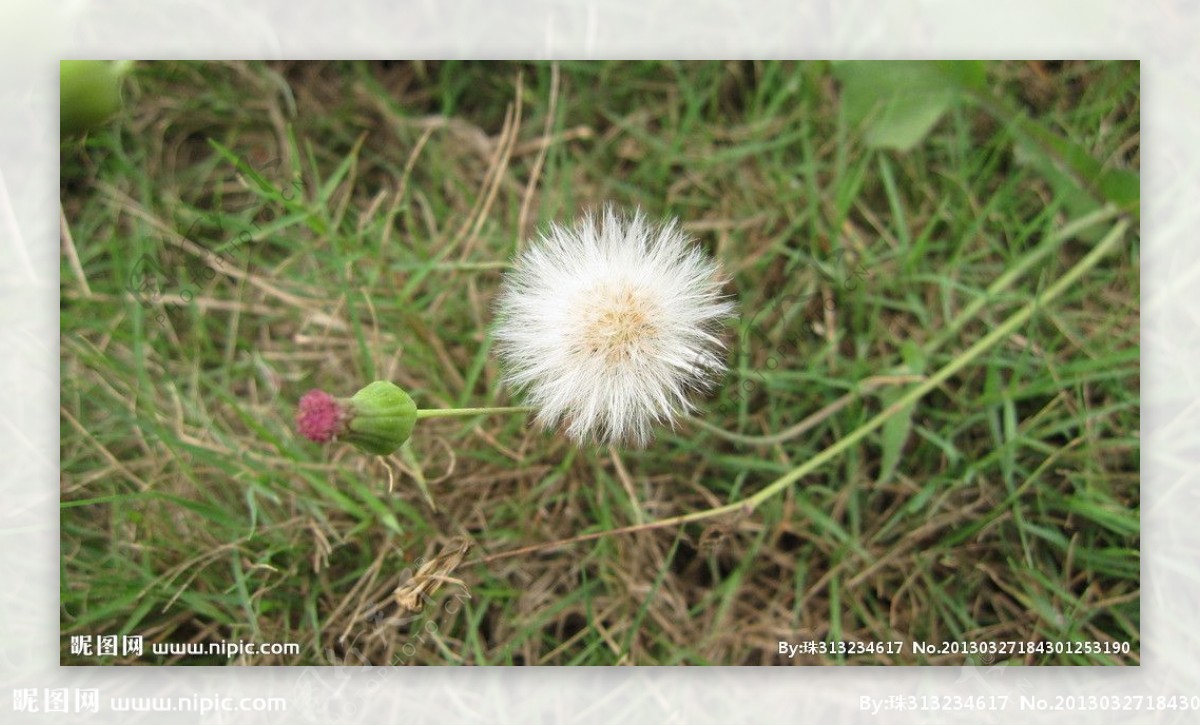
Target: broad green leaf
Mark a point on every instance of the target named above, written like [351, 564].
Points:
[896, 103]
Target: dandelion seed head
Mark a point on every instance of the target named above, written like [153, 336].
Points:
[610, 326]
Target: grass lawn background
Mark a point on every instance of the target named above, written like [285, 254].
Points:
[244, 232]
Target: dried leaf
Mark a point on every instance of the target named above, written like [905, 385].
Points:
[413, 593]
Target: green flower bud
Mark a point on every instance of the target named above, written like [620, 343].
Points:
[382, 418]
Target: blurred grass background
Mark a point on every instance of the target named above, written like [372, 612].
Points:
[242, 232]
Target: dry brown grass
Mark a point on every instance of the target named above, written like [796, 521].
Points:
[211, 522]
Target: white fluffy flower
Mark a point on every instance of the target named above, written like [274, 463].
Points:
[609, 326]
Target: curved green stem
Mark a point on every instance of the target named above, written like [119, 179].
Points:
[947, 331]
[917, 392]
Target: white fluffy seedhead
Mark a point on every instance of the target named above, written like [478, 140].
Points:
[611, 325]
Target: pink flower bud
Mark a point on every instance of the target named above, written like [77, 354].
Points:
[378, 419]
[321, 417]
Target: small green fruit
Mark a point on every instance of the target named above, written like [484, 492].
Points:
[89, 93]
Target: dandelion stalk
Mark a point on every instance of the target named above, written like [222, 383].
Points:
[462, 412]
[916, 393]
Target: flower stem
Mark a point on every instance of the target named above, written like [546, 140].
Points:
[748, 504]
[448, 412]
